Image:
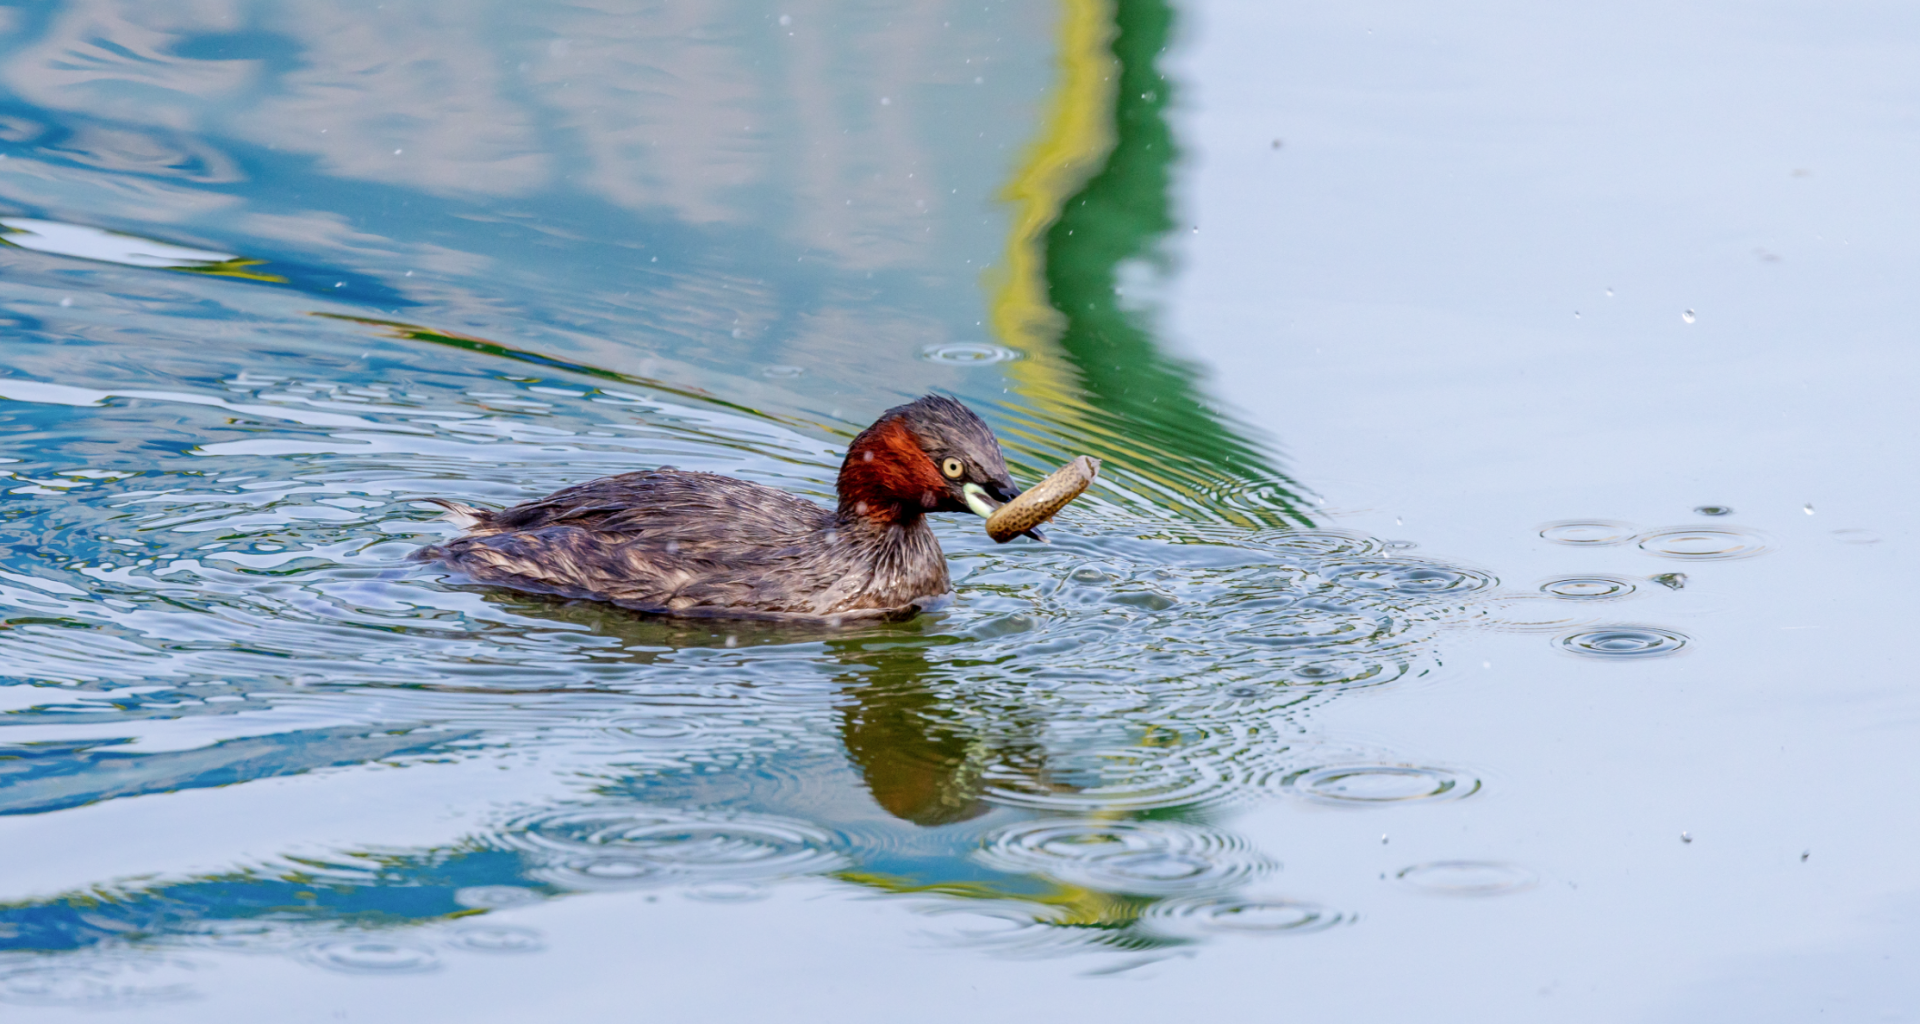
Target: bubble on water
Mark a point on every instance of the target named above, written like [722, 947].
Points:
[1143, 858]
[1687, 317]
[1703, 543]
[1713, 510]
[1587, 532]
[1216, 915]
[496, 938]
[968, 353]
[1589, 588]
[1364, 784]
[494, 897]
[95, 979]
[1624, 642]
[593, 847]
[1856, 536]
[1408, 578]
[372, 955]
[1468, 877]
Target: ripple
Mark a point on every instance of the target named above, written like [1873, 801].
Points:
[1589, 588]
[1624, 642]
[1703, 543]
[1131, 778]
[1408, 578]
[95, 980]
[1856, 536]
[1530, 613]
[1320, 543]
[496, 938]
[727, 892]
[1215, 915]
[1587, 532]
[599, 846]
[968, 353]
[1381, 784]
[1713, 510]
[495, 897]
[372, 956]
[1009, 927]
[1468, 877]
[246, 935]
[1146, 858]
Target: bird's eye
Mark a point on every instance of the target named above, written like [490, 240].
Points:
[953, 468]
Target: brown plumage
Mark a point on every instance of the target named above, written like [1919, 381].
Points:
[698, 544]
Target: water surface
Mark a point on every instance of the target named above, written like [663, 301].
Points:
[1346, 668]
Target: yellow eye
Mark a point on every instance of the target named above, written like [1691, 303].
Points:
[953, 468]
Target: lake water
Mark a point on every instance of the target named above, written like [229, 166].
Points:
[1490, 609]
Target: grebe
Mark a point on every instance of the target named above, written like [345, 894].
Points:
[674, 542]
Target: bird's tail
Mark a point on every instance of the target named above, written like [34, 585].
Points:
[461, 514]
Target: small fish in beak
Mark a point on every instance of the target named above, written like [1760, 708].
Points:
[1027, 510]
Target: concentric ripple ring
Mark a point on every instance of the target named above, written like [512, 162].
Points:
[1193, 917]
[1468, 877]
[1145, 858]
[1703, 543]
[1587, 532]
[1589, 588]
[1363, 784]
[1624, 642]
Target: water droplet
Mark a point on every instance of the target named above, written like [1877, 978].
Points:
[1807, 508]
[1609, 293]
[1670, 580]
[968, 354]
[1468, 877]
[1713, 510]
[1703, 543]
[1686, 837]
[1623, 642]
[1380, 784]
[66, 301]
[1687, 317]
[1587, 532]
[785, 20]
[886, 101]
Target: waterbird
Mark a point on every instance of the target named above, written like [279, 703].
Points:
[676, 542]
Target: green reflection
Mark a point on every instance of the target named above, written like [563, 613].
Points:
[1102, 249]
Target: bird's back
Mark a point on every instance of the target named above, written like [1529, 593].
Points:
[687, 543]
